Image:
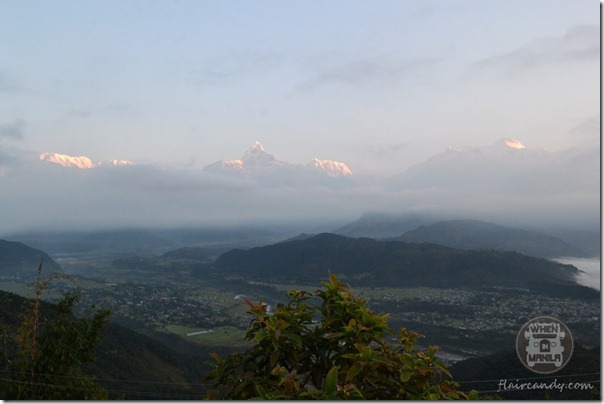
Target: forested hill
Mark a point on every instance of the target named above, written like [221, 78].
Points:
[128, 364]
[20, 260]
[475, 234]
[367, 262]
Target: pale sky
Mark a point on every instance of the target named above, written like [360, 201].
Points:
[379, 85]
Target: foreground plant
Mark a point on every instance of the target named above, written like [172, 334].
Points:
[335, 350]
[50, 349]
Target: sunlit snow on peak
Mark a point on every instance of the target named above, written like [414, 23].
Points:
[67, 161]
[257, 156]
[257, 146]
[82, 162]
[331, 168]
[514, 144]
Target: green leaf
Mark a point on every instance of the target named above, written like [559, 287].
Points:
[294, 337]
[354, 370]
[261, 335]
[431, 351]
[405, 376]
[261, 392]
[333, 335]
[331, 381]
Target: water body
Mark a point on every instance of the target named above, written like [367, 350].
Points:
[590, 267]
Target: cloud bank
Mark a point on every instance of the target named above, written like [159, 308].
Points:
[524, 187]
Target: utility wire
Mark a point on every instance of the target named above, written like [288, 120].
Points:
[109, 380]
[157, 383]
[192, 396]
[139, 393]
[537, 378]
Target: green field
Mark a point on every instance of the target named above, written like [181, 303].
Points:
[223, 336]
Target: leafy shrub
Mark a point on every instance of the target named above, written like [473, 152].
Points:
[336, 350]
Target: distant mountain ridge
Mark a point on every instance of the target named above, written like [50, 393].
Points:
[397, 264]
[383, 225]
[470, 234]
[256, 160]
[505, 166]
[476, 234]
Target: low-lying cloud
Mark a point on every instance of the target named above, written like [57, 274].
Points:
[563, 193]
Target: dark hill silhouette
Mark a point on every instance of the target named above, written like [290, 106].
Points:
[18, 259]
[368, 262]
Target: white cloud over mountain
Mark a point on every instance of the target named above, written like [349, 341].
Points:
[506, 182]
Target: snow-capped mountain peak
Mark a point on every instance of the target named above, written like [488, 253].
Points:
[514, 144]
[115, 163]
[67, 161]
[257, 146]
[81, 162]
[257, 163]
[513, 149]
[504, 146]
[257, 156]
[331, 168]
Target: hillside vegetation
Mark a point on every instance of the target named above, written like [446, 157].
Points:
[396, 264]
[128, 364]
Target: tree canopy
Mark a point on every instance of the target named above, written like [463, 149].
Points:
[336, 349]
